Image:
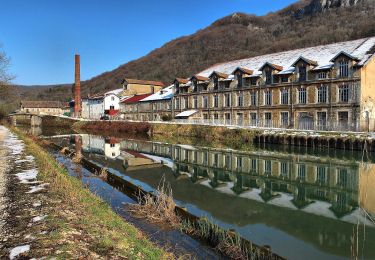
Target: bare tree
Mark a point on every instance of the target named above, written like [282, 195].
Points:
[8, 93]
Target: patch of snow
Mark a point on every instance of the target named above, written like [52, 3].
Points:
[37, 204]
[27, 175]
[18, 250]
[38, 218]
[37, 188]
[163, 94]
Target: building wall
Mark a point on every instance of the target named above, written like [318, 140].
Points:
[368, 95]
[92, 108]
[44, 111]
[111, 100]
[139, 89]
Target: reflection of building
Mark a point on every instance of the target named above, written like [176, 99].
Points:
[111, 148]
[322, 186]
[367, 188]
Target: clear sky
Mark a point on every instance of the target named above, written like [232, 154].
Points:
[42, 36]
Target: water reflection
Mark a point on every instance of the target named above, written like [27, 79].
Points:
[307, 205]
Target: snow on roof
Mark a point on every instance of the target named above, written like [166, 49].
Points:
[321, 54]
[186, 113]
[163, 94]
[115, 91]
[287, 71]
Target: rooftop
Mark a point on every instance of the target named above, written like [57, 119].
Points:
[135, 99]
[322, 55]
[144, 82]
[165, 93]
[43, 104]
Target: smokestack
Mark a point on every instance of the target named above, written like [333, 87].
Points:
[77, 87]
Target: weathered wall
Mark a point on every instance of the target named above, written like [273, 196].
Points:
[368, 94]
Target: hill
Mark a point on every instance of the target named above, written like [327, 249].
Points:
[303, 24]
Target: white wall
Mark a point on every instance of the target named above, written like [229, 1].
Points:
[92, 108]
[111, 100]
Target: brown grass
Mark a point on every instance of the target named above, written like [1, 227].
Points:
[158, 209]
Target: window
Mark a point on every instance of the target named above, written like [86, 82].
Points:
[111, 107]
[216, 160]
[268, 76]
[195, 102]
[284, 118]
[216, 101]
[343, 178]
[177, 103]
[344, 93]
[267, 119]
[205, 102]
[321, 174]
[302, 96]
[254, 81]
[240, 99]
[227, 100]
[239, 163]
[322, 75]
[301, 172]
[254, 164]
[227, 161]
[284, 96]
[240, 81]
[343, 69]
[253, 119]
[322, 94]
[113, 98]
[302, 73]
[253, 98]
[216, 117]
[284, 169]
[284, 79]
[216, 82]
[268, 97]
[322, 119]
[267, 167]
[194, 85]
[186, 105]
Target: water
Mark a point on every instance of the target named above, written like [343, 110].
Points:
[306, 203]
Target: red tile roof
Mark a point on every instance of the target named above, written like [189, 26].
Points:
[135, 99]
[200, 78]
[182, 81]
[144, 82]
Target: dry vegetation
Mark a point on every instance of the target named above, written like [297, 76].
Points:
[79, 224]
[114, 127]
[158, 209]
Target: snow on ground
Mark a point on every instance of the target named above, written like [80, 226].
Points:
[27, 175]
[18, 250]
[38, 218]
[37, 188]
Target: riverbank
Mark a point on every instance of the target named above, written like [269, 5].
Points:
[63, 219]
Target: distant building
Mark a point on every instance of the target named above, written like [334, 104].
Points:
[328, 87]
[130, 108]
[158, 106]
[44, 107]
[139, 87]
[96, 106]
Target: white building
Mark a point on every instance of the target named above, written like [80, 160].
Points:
[96, 106]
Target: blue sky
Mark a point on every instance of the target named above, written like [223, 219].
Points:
[42, 36]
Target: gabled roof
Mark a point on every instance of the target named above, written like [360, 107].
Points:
[199, 78]
[135, 99]
[310, 62]
[321, 54]
[181, 80]
[42, 104]
[345, 54]
[219, 74]
[143, 82]
[273, 66]
[244, 70]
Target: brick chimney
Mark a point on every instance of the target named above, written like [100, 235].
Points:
[77, 87]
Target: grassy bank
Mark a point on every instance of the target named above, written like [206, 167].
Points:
[81, 224]
[234, 138]
[113, 127]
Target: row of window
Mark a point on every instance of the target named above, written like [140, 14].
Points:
[344, 95]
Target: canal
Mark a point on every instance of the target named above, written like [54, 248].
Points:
[315, 204]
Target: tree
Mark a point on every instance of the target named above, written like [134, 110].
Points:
[8, 93]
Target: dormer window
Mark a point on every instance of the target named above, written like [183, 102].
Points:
[302, 73]
[240, 80]
[344, 69]
[322, 75]
[194, 85]
[268, 72]
[216, 82]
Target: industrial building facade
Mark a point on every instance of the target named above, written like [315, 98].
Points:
[329, 87]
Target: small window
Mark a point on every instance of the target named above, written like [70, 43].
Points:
[240, 80]
[284, 96]
[267, 167]
[322, 75]
[268, 97]
[268, 76]
[227, 100]
[253, 98]
[302, 73]
[322, 94]
[344, 69]
[344, 93]
[284, 79]
[216, 82]
[302, 96]
[195, 102]
[240, 100]
[205, 102]
[216, 101]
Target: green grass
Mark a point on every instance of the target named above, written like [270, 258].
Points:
[106, 232]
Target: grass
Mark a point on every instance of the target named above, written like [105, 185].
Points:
[82, 224]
